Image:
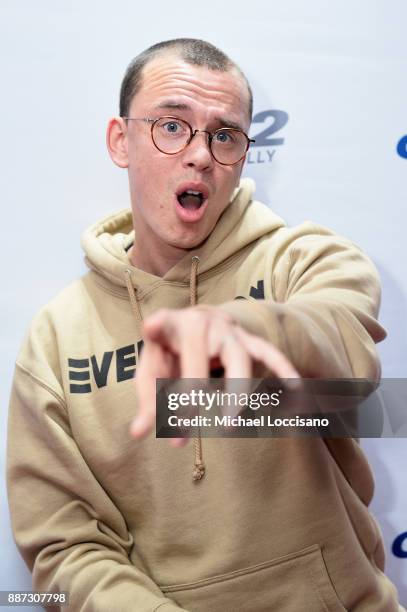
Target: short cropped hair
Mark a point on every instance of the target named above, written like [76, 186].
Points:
[192, 50]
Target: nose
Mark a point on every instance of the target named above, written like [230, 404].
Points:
[197, 153]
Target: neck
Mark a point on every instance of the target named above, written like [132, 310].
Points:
[155, 263]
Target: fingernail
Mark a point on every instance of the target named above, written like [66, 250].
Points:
[137, 427]
[178, 442]
[293, 383]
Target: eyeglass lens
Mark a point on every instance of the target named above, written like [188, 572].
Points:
[172, 135]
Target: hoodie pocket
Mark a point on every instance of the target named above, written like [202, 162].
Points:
[298, 582]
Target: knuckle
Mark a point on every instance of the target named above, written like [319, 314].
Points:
[196, 319]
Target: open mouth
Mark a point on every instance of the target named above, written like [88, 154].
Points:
[191, 200]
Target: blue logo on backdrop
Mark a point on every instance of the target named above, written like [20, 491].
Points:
[399, 548]
[263, 150]
[402, 147]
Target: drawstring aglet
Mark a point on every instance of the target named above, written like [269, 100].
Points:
[199, 471]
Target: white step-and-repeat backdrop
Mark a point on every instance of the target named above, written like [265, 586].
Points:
[330, 122]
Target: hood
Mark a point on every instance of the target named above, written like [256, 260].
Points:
[243, 221]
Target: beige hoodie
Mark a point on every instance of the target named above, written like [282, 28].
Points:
[276, 524]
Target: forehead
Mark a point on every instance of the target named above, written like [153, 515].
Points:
[167, 78]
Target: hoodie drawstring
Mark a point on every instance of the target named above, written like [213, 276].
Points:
[199, 469]
[132, 295]
[199, 466]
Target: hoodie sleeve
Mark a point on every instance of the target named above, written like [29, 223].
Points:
[323, 305]
[68, 530]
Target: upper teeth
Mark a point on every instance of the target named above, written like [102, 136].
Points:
[196, 193]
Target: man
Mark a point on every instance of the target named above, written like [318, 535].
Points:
[243, 525]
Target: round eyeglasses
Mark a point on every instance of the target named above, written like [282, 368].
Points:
[171, 135]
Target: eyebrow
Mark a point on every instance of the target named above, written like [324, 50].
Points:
[170, 105]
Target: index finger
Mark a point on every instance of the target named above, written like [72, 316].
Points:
[185, 333]
[155, 363]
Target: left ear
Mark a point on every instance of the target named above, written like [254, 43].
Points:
[116, 141]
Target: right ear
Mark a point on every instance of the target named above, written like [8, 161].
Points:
[116, 141]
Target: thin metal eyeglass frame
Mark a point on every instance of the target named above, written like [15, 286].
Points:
[211, 135]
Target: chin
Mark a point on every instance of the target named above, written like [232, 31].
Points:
[189, 242]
